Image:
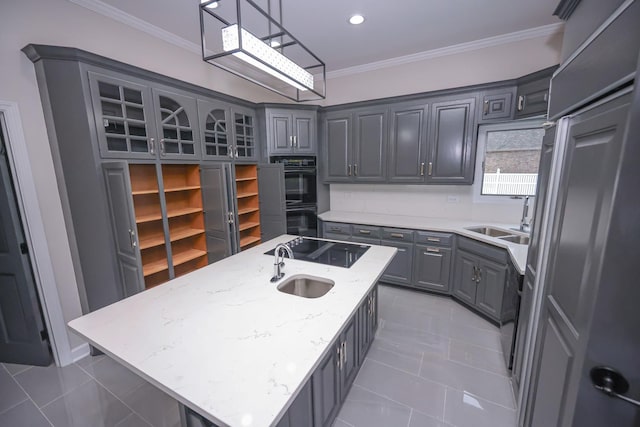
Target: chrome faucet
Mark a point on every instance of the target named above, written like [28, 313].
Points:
[524, 224]
[278, 262]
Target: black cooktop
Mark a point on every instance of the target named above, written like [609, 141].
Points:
[338, 254]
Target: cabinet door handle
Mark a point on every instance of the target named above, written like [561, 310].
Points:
[397, 235]
[344, 353]
[364, 231]
[290, 141]
[335, 229]
[432, 250]
[485, 110]
[479, 278]
[339, 362]
[475, 274]
[355, 169]
[235, 154]
[430, 168]
[433, 239]
[295, 141]
[152, 146]
[520, 102]
[349, 171]
[373, 306]
[132, 239]
[230, 152]
[422, 169]
[162, 150]
[230, 219]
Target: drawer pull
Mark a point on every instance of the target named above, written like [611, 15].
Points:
[397, 235]
[365, 232]
[335, 229]
[433, 239]
[432, 250]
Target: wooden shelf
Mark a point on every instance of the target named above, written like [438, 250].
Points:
[243, 195]
[247, 225]
[186, 256]
[251, 178]
[183, 188]
[151, 241]
[247, 210]
[155, 267]
[183, 211]
[246, 241]
[143, 192]
[148, 218]
[183, 233]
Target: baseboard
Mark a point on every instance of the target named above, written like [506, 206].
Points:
[80, 352]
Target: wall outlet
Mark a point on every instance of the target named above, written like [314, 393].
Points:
[452, 199]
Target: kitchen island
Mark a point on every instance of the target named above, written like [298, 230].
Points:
[224, 341]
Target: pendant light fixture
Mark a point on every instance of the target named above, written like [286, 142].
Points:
[250, 42]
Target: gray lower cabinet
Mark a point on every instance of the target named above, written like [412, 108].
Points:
[217, 204]
[336, 230]
[432, 268]
[399, 270]
[291, 131]
[451, 153]
[300, 413]
[480, 277]
[273, 215]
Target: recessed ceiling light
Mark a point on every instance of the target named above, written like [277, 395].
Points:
[356, 19]
[210, 6]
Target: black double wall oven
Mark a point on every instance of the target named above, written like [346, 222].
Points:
[300, 175]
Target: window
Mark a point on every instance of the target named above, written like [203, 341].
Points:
[511, 154]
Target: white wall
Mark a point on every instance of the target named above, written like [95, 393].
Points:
[60, 22]
[481, 66]
[502, 62]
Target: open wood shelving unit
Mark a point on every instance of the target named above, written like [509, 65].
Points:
[248, 206]
[148, 212]
[183, 197]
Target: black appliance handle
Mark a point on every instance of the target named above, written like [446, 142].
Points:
[312, 210]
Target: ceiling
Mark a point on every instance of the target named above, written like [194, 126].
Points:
[392, 28]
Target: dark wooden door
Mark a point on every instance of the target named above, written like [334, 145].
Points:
[22, 333]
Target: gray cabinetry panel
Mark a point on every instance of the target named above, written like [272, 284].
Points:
[217, 206]
[451, 149]
[245, 138]
[336, 228]
[407, 144]
[280, 138]
[397, 235]
[123, 113]
[118, 185]
[300, 413]
[399, 270]
[273, 215]
[338, 147]
[464, 284]
[215, 129]
[304, 132]
[433, 238]
[177, 122]
[326, 389]
[291, 131]
[490, 289]
[370, 144]
[366, 231]
[350, 361]
[497, 105]
[532, 98]
[432, 268]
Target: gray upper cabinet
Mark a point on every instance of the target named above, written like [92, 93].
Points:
[407, 144]
[215, 131]
[451, 151]
[532, 98]
[123, 113]
[177, 122]
[244, 134]
[291, 132]
[355, 146]
[497, 105]
[338, 146]
[370, 143]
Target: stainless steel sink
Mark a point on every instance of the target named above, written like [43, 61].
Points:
[521, 240]
[489, 231]
[306, 286]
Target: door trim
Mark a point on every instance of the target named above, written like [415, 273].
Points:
[31, 217]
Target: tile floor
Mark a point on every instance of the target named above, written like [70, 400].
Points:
[433, 364]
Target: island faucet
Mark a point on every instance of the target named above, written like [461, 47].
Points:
[278, 262]
[524, 224]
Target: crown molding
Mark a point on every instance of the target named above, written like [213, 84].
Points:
[137, 23]
[450, 50]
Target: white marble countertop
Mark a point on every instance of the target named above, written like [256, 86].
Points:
[517, 252]
[224, 341]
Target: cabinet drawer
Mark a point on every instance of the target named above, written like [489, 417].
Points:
[434, 238]
[397, 234]
[485, 250]
[336, 228]
[336, 236]
[366, 231]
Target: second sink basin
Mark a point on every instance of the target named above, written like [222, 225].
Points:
[306, 286]
[521, 240]
[489, 231]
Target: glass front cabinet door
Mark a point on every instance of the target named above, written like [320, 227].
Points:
[176, 120]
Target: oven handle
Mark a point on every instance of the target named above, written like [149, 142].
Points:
[312, 210]
[310, 171]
